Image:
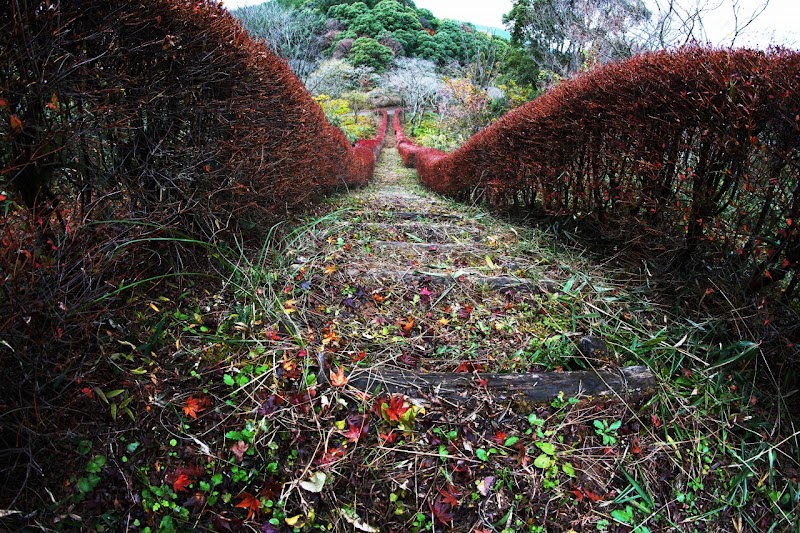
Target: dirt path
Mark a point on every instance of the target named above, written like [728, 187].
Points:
[417, 283]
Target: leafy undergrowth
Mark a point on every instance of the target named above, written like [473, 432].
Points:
[226, 406]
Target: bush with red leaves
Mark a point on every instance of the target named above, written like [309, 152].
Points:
[138, 139]
[698, 143]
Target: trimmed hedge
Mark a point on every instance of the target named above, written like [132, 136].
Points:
[701, 144]
[365, 153]
[138, 140]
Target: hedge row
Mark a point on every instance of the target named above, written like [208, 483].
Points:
[365, 153]
[135, 138]
[407, 149]
[701, 144]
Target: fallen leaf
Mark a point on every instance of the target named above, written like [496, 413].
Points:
[316, 483]
[16, 123]
[181, 483]
[329, 269]
[251, 503]
[239, 450]
[270, 405]
[395, 409]
[292, 521]
[656, 421]
[357, 522]
[356, 358]
[593, 496]
[358, 427]
[442, 511]
[485, 485]
[388, 438]
[331, 456]
[449, 495]
[338, 379]
[195, 405]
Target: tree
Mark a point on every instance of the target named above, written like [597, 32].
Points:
[368, 52]
[335, 77]
[559, 33]
[679, 22]
[357, 101]
[294, 34]
[417, 83]
[463, 106]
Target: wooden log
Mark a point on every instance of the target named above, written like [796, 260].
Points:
[629, 383]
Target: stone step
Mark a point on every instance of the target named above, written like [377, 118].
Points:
[413, 215]
[432, 247]
[501, 283]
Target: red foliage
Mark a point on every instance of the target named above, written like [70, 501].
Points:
[698, 143]
[364, 154]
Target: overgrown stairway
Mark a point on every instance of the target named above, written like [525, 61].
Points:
[444, 302]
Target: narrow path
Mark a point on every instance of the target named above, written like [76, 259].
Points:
[413, 282]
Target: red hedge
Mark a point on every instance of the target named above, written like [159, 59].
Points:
[700, 143]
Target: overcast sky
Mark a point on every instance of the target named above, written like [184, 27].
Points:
[780, 23]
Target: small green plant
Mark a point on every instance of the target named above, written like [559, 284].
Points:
[606, 431]
[421, 522]
[114, 406]
[87, 483]
[547, 461]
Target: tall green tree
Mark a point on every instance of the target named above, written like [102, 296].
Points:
[368, 52]
[293, 33]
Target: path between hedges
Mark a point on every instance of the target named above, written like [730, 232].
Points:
[417, 284]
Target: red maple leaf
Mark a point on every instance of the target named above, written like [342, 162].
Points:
[388, 438]
[195, 405]
[356, 358]
[656, 421]
[409, 359]
[272, 488]
[331, 456]
[182, 477]
[395, 408]
[442, 511]
[500, 437]
[358, 427]
[251, 503]
[449, 495]
[181, 483]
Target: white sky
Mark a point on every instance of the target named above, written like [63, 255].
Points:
[779, 24]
